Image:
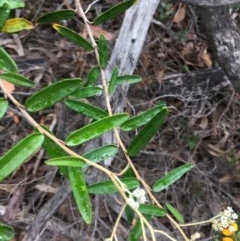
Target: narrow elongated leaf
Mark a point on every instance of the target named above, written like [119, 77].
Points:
[13, 4]
[113, 81]
[175, 213]
[142, 119]
[73, 36]
[15, 157]
[93, 76]
[95, 129]
[56, 16]
[52, 94]
[3, 107]
[86, 109]
[149, 209]
[6, 232]
[17, 79]
[106, 187]
[86, 92]
[131, 79]
[80, 193]
[130, 214]
[136, 231]
[102, 153]
[66, 161]
[113, 12]
[16, 25]
[103, 51]
[4, 12]
[146, 134]
[171, 177]
[6, 62]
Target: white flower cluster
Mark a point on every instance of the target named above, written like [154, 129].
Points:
[225, 219]
[137, 197]
[195, 236]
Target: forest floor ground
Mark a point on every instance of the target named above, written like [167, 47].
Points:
[201, 129]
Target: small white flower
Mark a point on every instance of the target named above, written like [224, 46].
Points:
[234, 216]
[230, 209]
[227, 213]
[140, 195]
[132, 203]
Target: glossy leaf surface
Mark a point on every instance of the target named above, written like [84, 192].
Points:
[146, 134]
[106, 187]
[86, 92]
[67, 161]
[17, 79]
[103, 51]
[95, 129]
[142, 119]
[171, 177]
[153, 210]
[80, 193]
[51, 94]
[73, 36]
[175, 213]
[56, 16]
[113, 81]
[6, 61]
[16, 25]
[113, 12]
[86, 109]
[6, 232]
[23, 150]
[131, 79]
[3, 107]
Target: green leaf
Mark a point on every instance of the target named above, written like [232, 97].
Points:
[113, 81]
[86, 109]
[175, 213]
[86, 92]
[131, 79]
[3, 107]
[6, 232]
[95, 129]
[4, 13]
[136, 231]
[15, 157]
[113, 12]
[171, 177]
[16, 79]
[102, 153]
[80, 193]
[149, 209]
[67, 161]
[6, 62]
[52, 94]
[56, 16]
[130, 214]
[146, 134]
[93, 76]
[73, 36]
[12, 4]
[16, 25]
[142, 119]
[106, 187]
[103, 51]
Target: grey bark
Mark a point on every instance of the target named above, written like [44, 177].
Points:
[209, 3]
[224, 37]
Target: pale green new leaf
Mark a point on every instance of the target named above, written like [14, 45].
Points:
[51, 94]
[80, 193]
[175, 213]
[23, 150]
[171, 177]
[3, 107]
[95, 129]
[12, 3]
